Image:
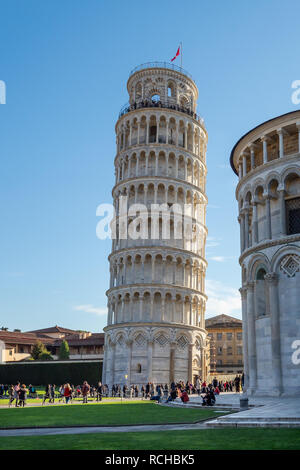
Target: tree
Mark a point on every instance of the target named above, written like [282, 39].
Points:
[37, 350]
[45, 356]
[64, 351]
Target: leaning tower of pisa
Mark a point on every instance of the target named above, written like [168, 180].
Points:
[156, 302]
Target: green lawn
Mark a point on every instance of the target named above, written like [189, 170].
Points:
[210, 439]
[104, 414]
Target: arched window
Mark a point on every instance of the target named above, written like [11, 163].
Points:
[155, 98]
[139, 368]
[260, 292]
[152, 134]
[171, 89]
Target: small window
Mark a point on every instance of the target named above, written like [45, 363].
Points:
[139, 368]
[229, 336]
[219, 336]
[239, 336]
[239, 350]
[229, 351]
[293, 215]
[220, 350]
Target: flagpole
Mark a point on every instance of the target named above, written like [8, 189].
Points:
[181, 55]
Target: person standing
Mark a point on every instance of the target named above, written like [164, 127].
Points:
[16, 393]
[23, 395]
[99, 391]
[47, 394]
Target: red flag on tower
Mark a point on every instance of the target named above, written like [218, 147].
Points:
[177, 54]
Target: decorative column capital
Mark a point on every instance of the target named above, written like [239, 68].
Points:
[243, 292]
[250, 286]
[271, 278]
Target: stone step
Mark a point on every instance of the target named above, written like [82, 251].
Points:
[252, 424]
[238, 419]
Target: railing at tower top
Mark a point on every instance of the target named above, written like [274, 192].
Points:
[161, 65]
[160, 104]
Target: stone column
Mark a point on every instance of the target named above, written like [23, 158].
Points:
[246, 229]
[203, 363]
[138, 132]
[129, 167]
[147, 132]
[185, 170]
[243, 292]
[254, 223]
[130, 134]
[112, 362]
[251, 332]
[281, 147]
[191, 313]
[167, 132]
[145, 194]
[282, 210]
[298, 127]
[153, 269]
[103, 378]
[265, 149]
[185, 137]
[172, 362]
[192, 172]
[272, 282]
[241, 220]
[150, 354]
[173, 309]
[268, 218]
[129, 353]
[190, 363]
[151, 306]
[176, 168]
[244, 164]
[240, 170]
[252, 157]
[141, 307]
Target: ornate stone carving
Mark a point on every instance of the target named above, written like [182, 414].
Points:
[182, 342]
[271, 278]
[161, 340]
[290, 265]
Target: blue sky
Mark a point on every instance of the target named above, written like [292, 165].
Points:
[65, 64]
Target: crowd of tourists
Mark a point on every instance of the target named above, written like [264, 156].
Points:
[66, 393]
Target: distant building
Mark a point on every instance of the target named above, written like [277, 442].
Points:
[17, 346]
[226, 345]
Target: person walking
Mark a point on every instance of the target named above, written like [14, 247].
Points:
[67, 393]
[85, 391]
